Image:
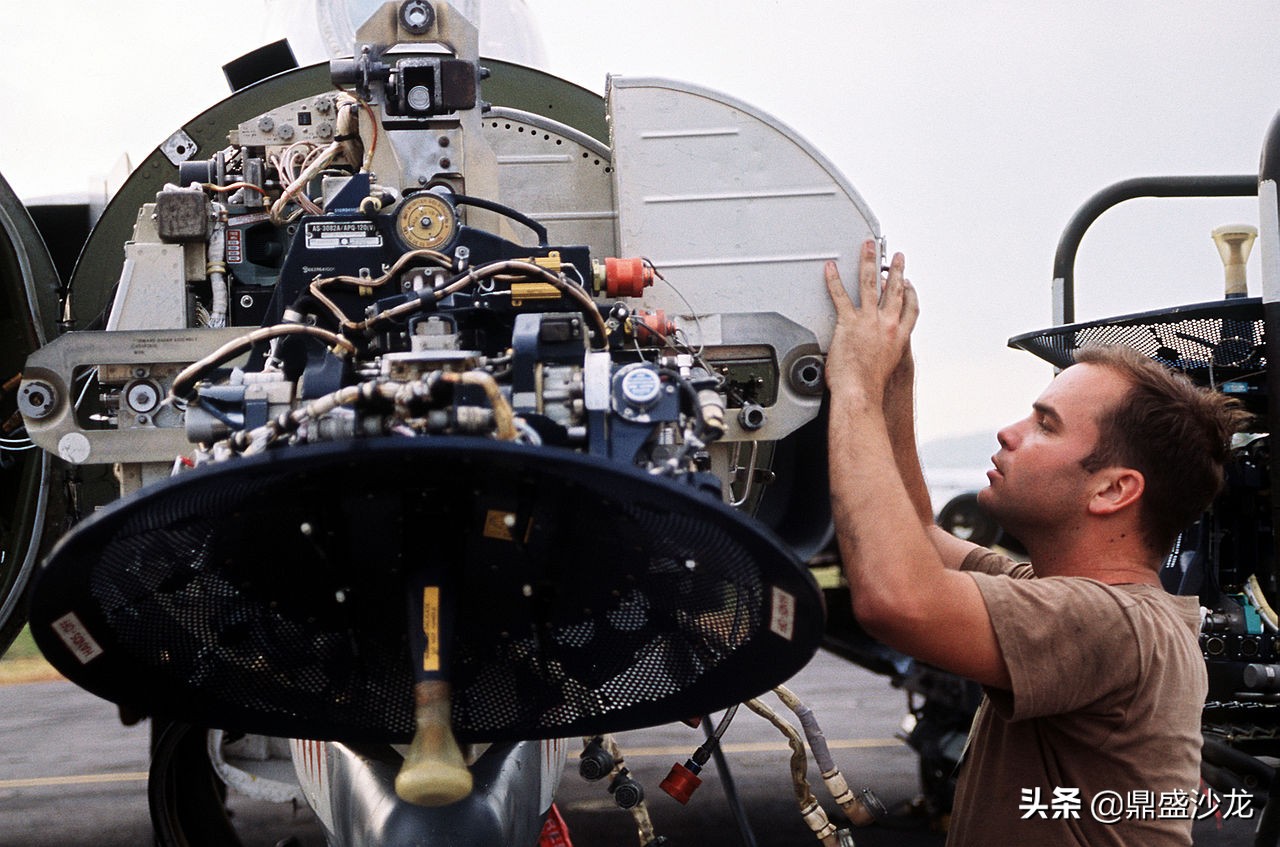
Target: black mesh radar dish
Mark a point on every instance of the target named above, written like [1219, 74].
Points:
[268, 594]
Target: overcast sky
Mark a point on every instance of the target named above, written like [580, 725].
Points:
[973, 130]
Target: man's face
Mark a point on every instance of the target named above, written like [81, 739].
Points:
[1038, 481]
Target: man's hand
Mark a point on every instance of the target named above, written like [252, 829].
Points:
[871, 340]
[903, 592]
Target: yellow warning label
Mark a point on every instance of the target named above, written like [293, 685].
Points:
[431, 627]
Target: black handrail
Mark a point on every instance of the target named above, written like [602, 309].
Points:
[1064, 260]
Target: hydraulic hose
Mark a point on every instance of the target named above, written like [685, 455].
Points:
[862, 808]
[814, 816]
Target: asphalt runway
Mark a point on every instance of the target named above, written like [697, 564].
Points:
[70, 774]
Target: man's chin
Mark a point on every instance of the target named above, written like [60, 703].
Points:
[989, 503]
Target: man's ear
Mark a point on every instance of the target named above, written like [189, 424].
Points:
[1116, 489]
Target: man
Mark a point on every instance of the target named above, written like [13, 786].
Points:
[1093, 676]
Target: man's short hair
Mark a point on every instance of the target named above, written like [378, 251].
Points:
[1176, 434]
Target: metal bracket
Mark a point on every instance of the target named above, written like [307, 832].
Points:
[53, 367]
[179, 147]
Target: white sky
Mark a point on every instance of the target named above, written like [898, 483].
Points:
[973, 129]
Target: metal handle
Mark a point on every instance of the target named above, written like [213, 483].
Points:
[1064, 260]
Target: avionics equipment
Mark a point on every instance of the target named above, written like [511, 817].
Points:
[431, 399]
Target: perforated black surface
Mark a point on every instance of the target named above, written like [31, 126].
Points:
[268, 594]
[1212, 342]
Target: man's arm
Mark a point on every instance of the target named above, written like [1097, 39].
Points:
[902, 593]
[899, 412]
[900, 417]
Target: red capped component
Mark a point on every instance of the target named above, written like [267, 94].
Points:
[680, 783]
[626, 277]
[648, 324]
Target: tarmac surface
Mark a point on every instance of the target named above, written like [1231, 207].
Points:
[71, 774]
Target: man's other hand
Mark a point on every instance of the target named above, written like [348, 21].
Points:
[870, 339]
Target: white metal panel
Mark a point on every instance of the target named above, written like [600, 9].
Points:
[736, 209]
[556, 175]
[151, 294]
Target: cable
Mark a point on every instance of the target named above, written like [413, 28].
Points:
[5, 448]
[184, 382]
[308, 153]
[235, 186]
[256, 440]
[589, 310]
[813, 814]
[318, 164]
[216, 269]
[88, 377]
[502, 412]
[506, 211]
[861, 809]
[1254, 591]
[220, 416]
[401, 394]
[367, 164]
[702, 344]
[528, 435]
[322, 282]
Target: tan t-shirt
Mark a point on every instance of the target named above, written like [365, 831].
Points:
[1098, 742]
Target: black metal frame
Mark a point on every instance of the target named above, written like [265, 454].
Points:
[1064, 260]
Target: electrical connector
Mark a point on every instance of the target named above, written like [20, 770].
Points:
[626, 791]
[816, 818]
[595, 762]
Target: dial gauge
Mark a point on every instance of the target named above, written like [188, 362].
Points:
[426, 222]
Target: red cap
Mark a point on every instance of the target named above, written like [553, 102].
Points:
[680, 783]
[626, 277]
